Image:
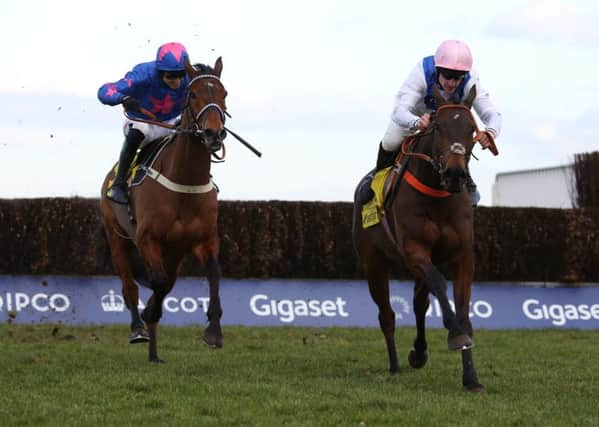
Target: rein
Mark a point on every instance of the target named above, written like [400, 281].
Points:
[455, 148]
[197, 130]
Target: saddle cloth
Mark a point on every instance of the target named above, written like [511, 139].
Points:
[374, 209]
[143, 159]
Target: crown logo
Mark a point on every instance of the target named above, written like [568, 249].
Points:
[113, 302]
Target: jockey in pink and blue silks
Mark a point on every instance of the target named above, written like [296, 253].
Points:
[159, 87]
[450, 69]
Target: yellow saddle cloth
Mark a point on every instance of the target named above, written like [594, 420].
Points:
[130, 174]
[373, 210]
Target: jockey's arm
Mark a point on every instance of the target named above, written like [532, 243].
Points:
[485, 109]
[113, 93]
[408, 99]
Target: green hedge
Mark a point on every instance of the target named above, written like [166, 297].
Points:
[300, 240]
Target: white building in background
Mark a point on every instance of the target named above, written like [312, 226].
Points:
[544, 188]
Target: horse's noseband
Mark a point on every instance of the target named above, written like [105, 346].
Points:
[213, 140]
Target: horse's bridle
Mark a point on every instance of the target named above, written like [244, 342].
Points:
[455, 147]
[197, 128]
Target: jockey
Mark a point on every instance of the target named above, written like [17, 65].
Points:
[159, 87]
[450, 69]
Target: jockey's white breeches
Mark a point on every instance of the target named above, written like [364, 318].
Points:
[393, 137]
[150, 131]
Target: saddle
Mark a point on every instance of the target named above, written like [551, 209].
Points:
[143, 160]
[384, 185]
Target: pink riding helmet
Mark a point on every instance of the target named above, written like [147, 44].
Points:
[453, 55]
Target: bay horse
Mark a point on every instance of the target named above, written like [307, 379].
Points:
[175, 213]
[428, 223]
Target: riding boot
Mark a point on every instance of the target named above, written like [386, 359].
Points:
[472, 190]
[118, 190]
[384, 159]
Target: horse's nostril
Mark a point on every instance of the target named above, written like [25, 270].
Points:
[222, 134]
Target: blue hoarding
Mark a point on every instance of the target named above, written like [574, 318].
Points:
[280, 302]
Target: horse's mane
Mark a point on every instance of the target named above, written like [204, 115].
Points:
[203, 68]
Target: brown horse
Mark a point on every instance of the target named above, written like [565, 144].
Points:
[429, 223]
[174, 210]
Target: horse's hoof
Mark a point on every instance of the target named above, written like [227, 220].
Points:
[416, 360]
[474, 388]
[212, 342]
[139, 336]
[156, 359]
[212, 339]
[460, 342]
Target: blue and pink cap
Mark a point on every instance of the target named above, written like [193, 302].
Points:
[171, 57]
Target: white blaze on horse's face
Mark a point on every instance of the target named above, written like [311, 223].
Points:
[457, 148]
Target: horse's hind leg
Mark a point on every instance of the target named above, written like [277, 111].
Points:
[131, 294]
[418, 356]
[377, 270]
[120, 251]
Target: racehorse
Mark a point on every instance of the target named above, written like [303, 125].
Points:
[428, 223]
[175, 212]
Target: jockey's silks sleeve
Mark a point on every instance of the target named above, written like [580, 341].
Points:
[145, 84]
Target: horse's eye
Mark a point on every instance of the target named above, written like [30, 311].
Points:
[226, 93]
[192, 95]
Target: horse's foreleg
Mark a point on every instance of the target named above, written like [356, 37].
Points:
[161, 284]
[457, 338]
[469, 377]
[151, 315]
[462, 290]
[378, 284]
[418, 356]
[423, 270]
[213, 335]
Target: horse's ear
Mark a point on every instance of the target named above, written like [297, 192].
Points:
[218, 66]
[190, 69]
[470, 98]
[439, 100]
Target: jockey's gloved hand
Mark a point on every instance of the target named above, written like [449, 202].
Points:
[131, 104]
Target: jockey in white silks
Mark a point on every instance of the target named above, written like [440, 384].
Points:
[450, 70]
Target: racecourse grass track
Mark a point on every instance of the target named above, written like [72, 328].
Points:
[62, 375]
